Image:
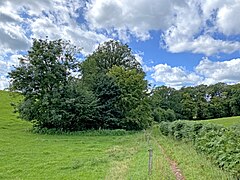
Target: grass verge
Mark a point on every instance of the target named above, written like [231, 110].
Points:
[193, 165]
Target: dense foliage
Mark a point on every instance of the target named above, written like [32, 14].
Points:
[200, 102]
[110, 92]
[221, 144]
[114, 75]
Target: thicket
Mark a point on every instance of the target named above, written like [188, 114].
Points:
[105, 91]
[220, 144]
[199, 102]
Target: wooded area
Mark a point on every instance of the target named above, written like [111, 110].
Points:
[107, 90]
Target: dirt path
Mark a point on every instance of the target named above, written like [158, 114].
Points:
[174, 166]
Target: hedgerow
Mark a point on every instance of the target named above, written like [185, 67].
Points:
[220, 144]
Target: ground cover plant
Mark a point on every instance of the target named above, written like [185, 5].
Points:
[100, 154]
[220, 144]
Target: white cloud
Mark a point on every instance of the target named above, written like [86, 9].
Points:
[187, 25]
[6, 65]
[174, 76]
[213, 72]
[228, 19]
[22, 20]
[136, 16]
[206, 72]
[204, 44]
[3, 82]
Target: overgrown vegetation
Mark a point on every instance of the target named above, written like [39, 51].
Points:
[220, 144]
[109, 93]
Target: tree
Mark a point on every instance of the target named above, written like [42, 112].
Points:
[117, 79]
[234, 100]
[113, 53]
[160, 115]
[133, 101]
[166, 98]
[52, 97]
[109, 54]
[108, 93]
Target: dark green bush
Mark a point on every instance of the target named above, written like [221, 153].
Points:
[160, 115]
[164, 128]
[221, 144]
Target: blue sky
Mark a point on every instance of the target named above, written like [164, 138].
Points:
[178, 42]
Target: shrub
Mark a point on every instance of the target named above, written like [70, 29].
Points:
[221, 144]
[161, 115]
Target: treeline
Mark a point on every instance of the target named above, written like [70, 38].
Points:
[105, 91]
[199, 102]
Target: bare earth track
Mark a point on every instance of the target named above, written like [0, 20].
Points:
[174, 166]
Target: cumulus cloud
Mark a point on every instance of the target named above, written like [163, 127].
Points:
[22, 20]
[206, 72]
[227, 18]
[204, 44]
[174, 76]
[213, 72]
[187, 25]
[5, 67]
[136, 16]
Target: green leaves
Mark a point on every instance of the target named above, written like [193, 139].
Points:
[110, 94]
[52, 98]
[220, 144]
[117, 80]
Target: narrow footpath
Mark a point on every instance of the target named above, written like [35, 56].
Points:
[173, 164]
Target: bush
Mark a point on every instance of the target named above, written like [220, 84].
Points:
[221, 144]
[161, 115]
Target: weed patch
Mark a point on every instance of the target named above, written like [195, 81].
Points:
[220, 144]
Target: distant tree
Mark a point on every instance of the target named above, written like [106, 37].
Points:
[234, 99]
[52, 97]
[166, 98]
[219, 100]
[160, 115]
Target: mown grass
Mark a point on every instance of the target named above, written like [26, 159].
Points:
[27, 155]
[228, 121]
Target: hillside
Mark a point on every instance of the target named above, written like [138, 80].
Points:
[228, 121]
[93, 155]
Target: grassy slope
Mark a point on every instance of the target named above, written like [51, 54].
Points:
[228, 121]
[24, 155]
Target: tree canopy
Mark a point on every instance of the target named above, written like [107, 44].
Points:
[110, 92]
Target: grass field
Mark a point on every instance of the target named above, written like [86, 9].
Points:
[228, 121]
[24, 155]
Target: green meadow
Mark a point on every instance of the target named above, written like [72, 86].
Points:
[228, 121]
[92, 155]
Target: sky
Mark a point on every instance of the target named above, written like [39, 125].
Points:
[178, 42]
